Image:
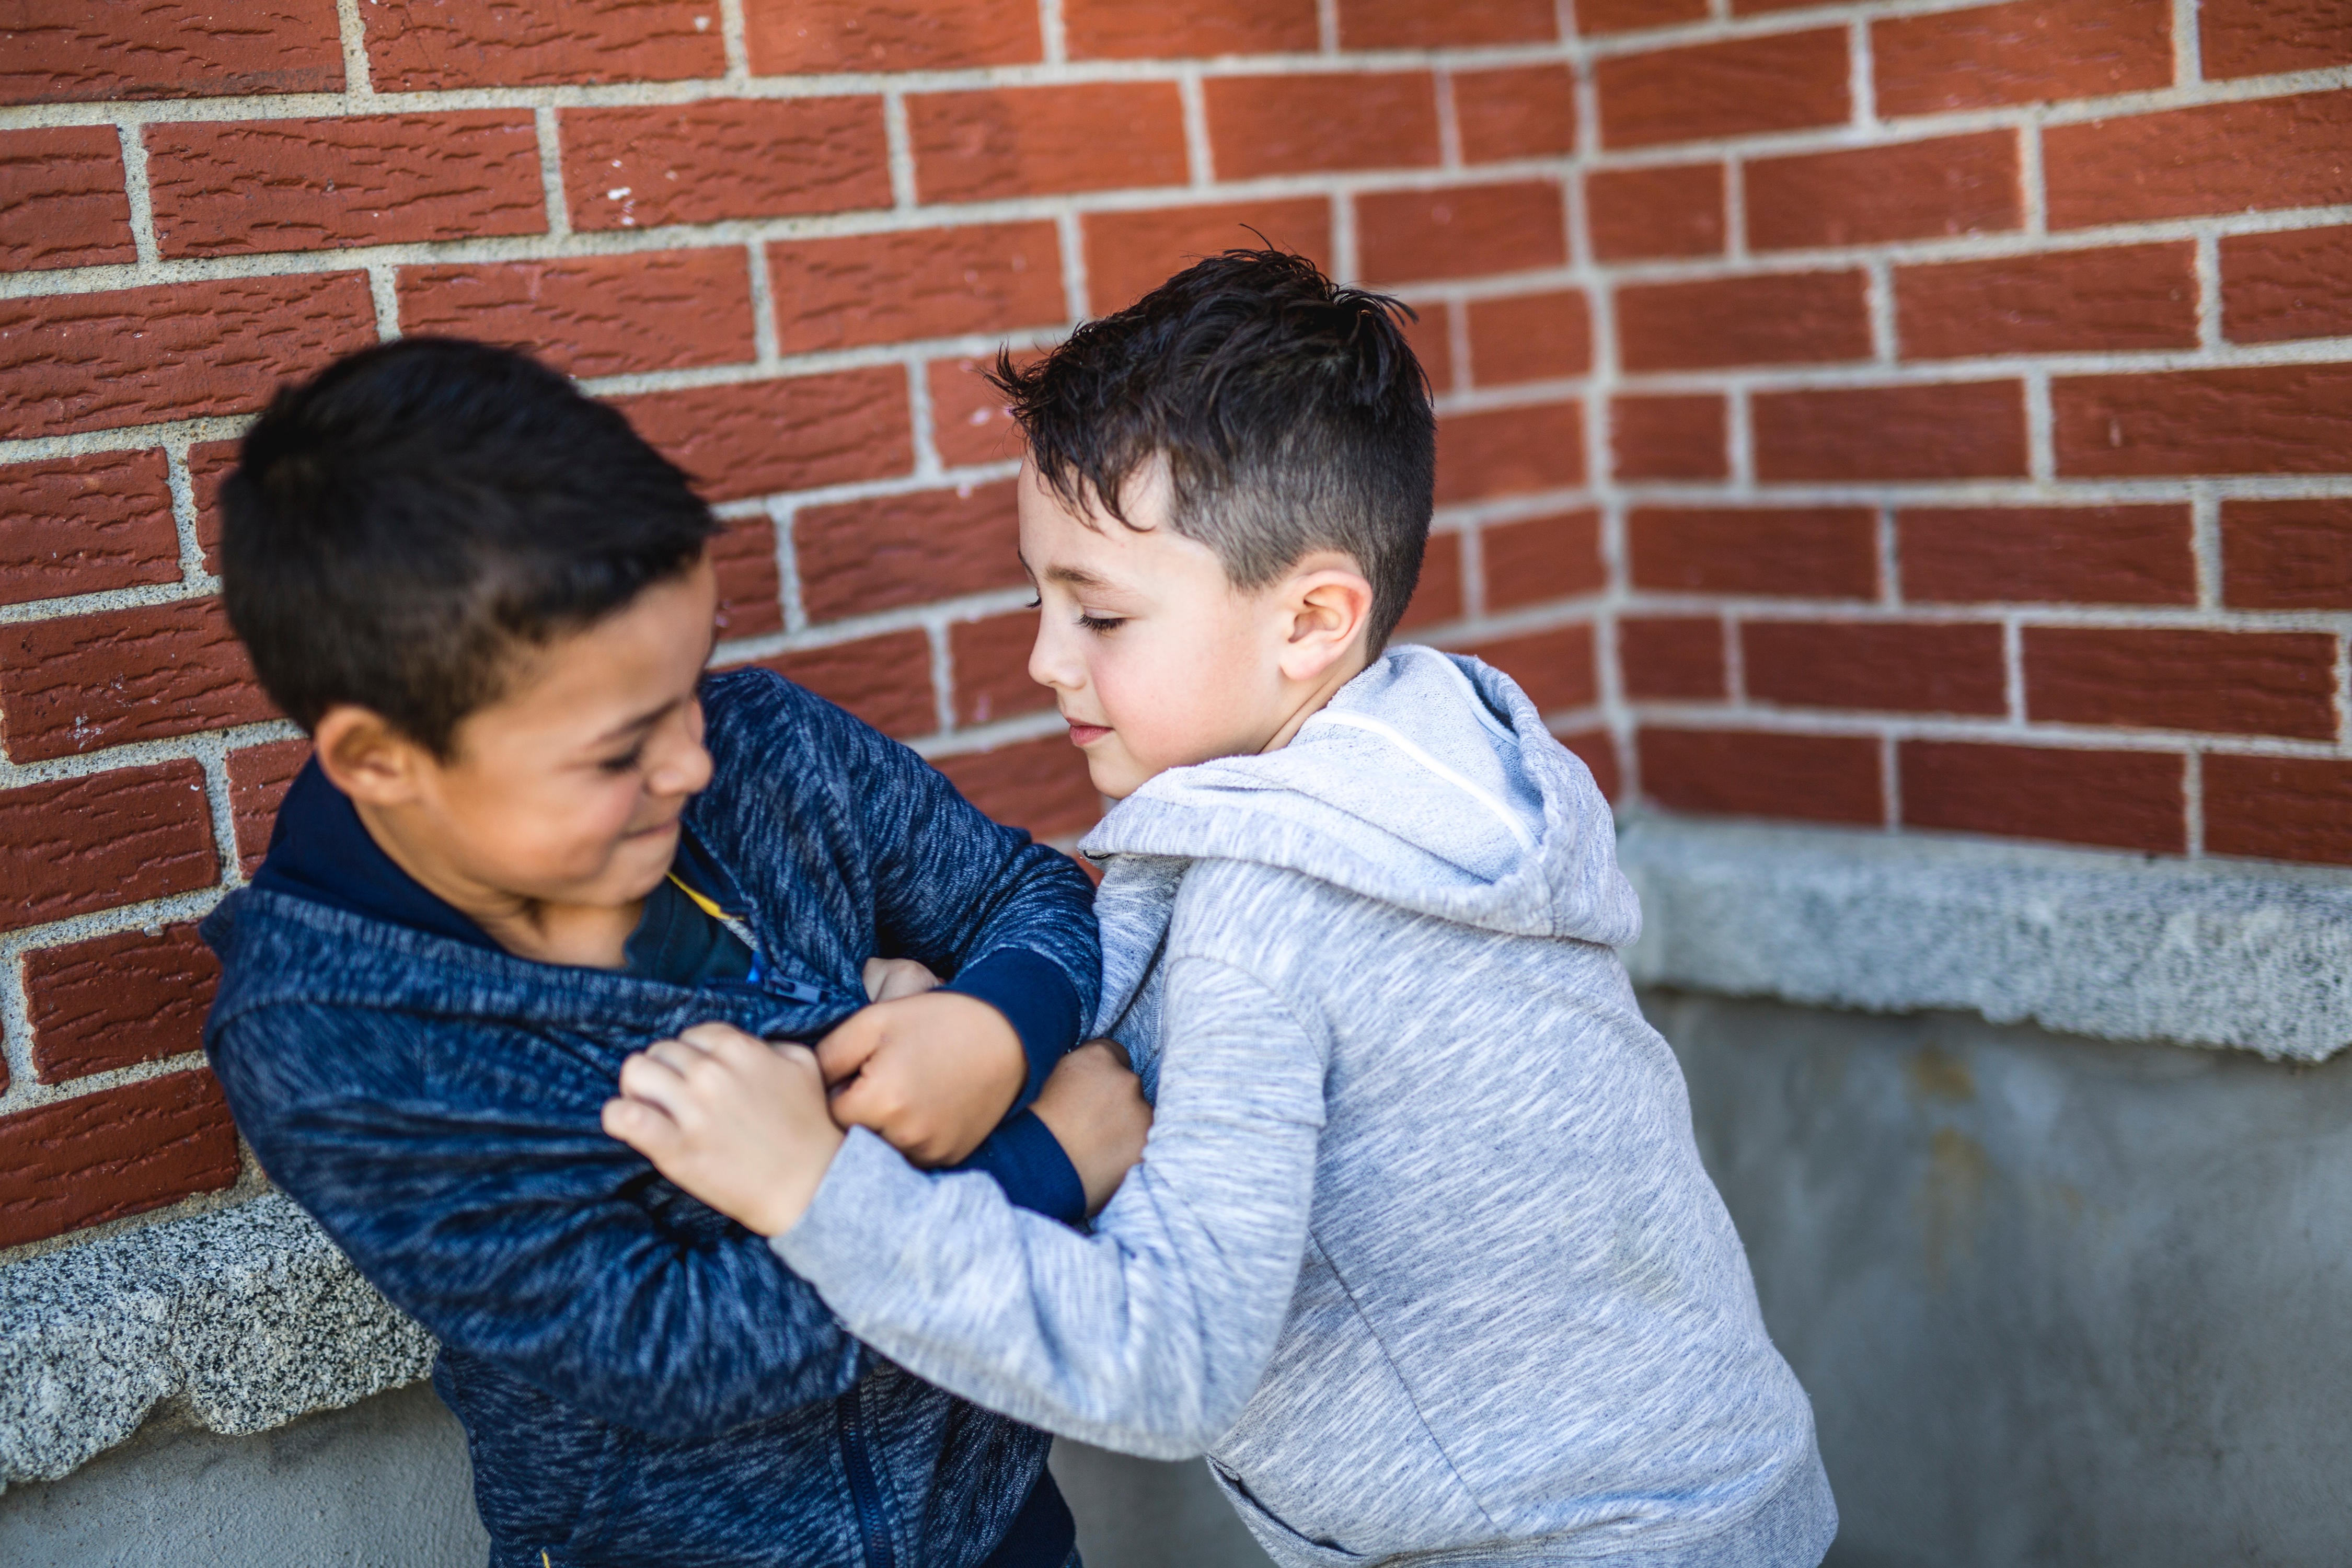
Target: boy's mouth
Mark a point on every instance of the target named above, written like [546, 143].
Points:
[1086, 734]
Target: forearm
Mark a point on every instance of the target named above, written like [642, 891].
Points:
[1148, 1336]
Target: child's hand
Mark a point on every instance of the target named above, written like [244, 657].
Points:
[1094, 1107]
[887, 979]
[934, 1074]
[738, 1122]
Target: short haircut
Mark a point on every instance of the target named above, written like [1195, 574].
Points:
[1291, 412]
[398, 526]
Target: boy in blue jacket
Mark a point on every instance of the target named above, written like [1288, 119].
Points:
[534, 836]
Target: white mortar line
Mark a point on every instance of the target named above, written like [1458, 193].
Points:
[2207, 272]
[1199, 154]
[2041, 428]
[2012, 669]
[2032, 187]
[788, 570]
[2205, 544]
[943, 702]
[2192, 803]
[185, 509]
[1449, 130]
[767, 345]
[1878, 300]
[383, 294]
[900, 141]
[1735, 211]
[134, 181]
[924, 420]
[1890, 783]
[1327, 26]
[2188, 47]
[1861, 85]
[1052, 32]
[359, 87]
[735, 38]
[551, 173]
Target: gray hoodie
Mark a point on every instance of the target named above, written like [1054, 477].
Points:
[1419, 1253]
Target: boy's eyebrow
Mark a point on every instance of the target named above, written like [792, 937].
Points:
[1071, 576]
[652, 716]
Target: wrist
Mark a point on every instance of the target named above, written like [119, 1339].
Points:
[786, 1201]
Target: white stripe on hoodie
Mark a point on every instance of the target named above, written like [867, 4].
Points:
[1420, 1253]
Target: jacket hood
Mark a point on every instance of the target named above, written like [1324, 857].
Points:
[1429, 783]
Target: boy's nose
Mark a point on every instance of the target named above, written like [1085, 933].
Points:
[1050, 663]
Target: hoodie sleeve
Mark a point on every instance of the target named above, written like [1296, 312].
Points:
[1011, 921]
[1148, 1336]
[536, 1242]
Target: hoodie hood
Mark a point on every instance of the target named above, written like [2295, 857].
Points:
[1428, 783]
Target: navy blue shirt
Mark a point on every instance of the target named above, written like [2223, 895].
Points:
[641, 1380]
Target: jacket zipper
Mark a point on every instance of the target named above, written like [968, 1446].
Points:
[873, 1530]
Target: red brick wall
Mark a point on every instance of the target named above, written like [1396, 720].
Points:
[1899, 413]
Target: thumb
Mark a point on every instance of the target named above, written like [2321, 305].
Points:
[843, 1053]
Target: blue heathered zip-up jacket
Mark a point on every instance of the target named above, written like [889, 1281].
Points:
[641, 1381]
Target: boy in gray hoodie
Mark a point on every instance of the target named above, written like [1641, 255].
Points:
[1420, 1251]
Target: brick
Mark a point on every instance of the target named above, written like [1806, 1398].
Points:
[723, 159]
[2293, 285]
[991, 669]
[2243, 683]
[757, 438]
[2277, 419]
[259, 777]
[1791, 318]
[1672, 656]
[97, 1157]
[73, 846]
[1673, 436]
[1509, 451]
[78, 683]
[1040, 785]
[1520, 112]
[859, 556]
[1540, 557]
[1911, 190]
[1120, 29]
[1742, 86]
[969, 423]
[66, 50]
[1888, 666]
[598, 315]
[799, 37]
[1128, 254]
[82, 525]
[1437, 596]
[1959, 430]
[1597, 750]
[1414, 24]
[1044, 140]
[1755, 772]
[1429, 332]
[2123, 800]
[1638, 213]
[177, 351]
[495, 43]
[1530, 337]
[1554, 667]
[2286, 554]
[2030, 51]
[750, 587]
[2264, 37]
[1814, 552]
[2281, 809]
[2260, 155]
[885, 681]
[924, 283]
[2127, 296]
[1261, 125]
[2054, 554]
[237, 187]
[210, 463]
[62, 202]
[1594, 18]
[1465, 231]
[117, 1001]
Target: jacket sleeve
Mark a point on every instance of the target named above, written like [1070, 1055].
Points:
[1148, 1336]
[1009, 920]
[538, 1243]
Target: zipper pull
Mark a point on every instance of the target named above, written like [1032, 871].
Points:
[798, 992]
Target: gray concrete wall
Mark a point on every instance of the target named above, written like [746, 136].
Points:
[384, 1484]
[2057, 1301]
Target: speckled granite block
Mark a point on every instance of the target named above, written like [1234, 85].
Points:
[245, 1318]
[2116, 946]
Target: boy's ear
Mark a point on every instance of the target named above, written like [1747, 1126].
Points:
[1329, 606]
[362, 755]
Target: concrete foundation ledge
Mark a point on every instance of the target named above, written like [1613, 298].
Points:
[239, 1320]
[2115, 946]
